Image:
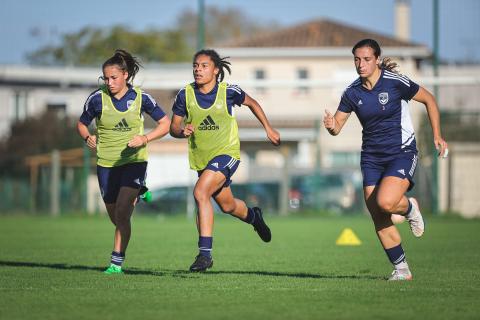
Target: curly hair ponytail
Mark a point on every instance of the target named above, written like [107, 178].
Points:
[388, 64]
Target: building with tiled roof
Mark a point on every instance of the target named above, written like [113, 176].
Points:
[317, 34]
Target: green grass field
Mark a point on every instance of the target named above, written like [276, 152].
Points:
[51, 269]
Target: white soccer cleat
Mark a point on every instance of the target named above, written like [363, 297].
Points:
[400, 275]
[415, 219]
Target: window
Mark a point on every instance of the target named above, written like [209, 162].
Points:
[259, 74]
[302, 75]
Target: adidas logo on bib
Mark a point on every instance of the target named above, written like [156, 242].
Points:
[208, 124]
[122, 126]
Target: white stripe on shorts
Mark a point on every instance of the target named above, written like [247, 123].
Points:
[229, 162]
[414, 165]
[230, 165]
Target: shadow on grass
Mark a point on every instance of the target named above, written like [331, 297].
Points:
[185, 273]
[64, 266]
[298, 275]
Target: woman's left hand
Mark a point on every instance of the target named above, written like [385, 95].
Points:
[441, 146]
[138, 141]
[273, 136]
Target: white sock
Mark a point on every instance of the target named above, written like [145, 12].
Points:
[402, 265]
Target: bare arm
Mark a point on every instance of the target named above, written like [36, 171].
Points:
[257, 110]
[334, 123]
[177, 130]
[428, 100]
[160, 130]
[90, 140]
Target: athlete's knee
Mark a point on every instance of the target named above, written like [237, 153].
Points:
[227, 207]
[122, 216]
[122, 221]
[200, 195]
[113, 220]
[386, 205]
[112, 217]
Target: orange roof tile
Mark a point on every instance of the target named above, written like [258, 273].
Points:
[319, 33]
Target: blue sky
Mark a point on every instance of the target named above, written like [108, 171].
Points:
[459, 30]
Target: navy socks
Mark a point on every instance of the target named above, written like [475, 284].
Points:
[205, 246]
[396, 255]
[117, 258]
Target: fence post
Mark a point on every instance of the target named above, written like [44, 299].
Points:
[191, 207]
[33, 187]
[86, 173]
[55, 184]
[285, 181]
[435, 93]
[318, 150]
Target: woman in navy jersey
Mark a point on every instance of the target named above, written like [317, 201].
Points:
[120, 142]
[389, 155]
[203, 113]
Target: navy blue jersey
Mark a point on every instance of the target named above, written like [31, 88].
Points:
[235, 97]
[383, 113]
[93, 106]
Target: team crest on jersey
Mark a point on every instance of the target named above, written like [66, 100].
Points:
[129, 103]
[383, 98]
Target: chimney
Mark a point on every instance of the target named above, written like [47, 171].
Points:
[402, 19]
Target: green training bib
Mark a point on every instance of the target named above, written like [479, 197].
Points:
[215, 130]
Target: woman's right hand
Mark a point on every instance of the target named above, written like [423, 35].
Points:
[188, 130]
[329, 121]
[91, 142]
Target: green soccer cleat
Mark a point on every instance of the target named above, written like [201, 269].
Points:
[113, 269]
[145, 194]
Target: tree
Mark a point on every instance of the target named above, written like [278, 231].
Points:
[221, 25]
[92, 46]
[36, 135]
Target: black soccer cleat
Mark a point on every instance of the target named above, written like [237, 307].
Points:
[260, 226]
[201, 263]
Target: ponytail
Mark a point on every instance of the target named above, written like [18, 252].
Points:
[125, 62]
[388, 64]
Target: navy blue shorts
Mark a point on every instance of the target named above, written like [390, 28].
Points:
[375, 168]
[112, 179]
[225, 164]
